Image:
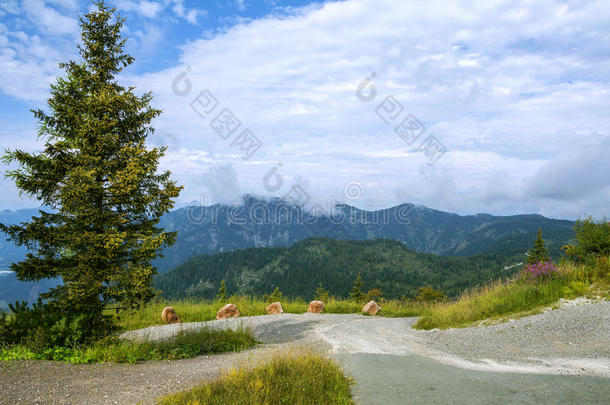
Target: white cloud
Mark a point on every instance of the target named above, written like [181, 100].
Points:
[240, 5]
[190, 16]
[10, 6]
[157, 9]
[29, 66]
[49, 19]
[502, 91]
[71, 5]
[508, 92]
[148, 9]
[149, 38]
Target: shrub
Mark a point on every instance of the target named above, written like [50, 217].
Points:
[276, 295]
[592, 239]
[429, 294]
[43, 326]
[222, 291]
[321, 294]
[374, 294]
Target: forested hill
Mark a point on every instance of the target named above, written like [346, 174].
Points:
[297, 270]
[259, 223]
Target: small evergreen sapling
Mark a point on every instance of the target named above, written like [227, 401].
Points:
[356, 294]
[538, 253]
[222, 291]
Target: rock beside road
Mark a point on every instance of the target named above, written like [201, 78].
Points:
[169, 315]
[315, 307]
[371, 308]
[274, 308]
[228, 311]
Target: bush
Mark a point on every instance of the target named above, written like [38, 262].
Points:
[374, 294]
[43, 326]
[592, 239]
[321, 294]
[429, 294]
[276, 295]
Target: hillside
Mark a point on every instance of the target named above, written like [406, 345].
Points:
[297, 270]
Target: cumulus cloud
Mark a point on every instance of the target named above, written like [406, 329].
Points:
[511, 96]
[190, 15]
[155, 9]
[221, 184]
[502, 92]
[581, 171]
[49, 19]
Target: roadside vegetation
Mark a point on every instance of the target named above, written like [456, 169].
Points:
[185, 345]
[584, 272]
[305, 378]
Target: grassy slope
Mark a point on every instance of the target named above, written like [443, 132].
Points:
[285, 379]
[518, 296]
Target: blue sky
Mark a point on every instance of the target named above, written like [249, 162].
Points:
[514, 95]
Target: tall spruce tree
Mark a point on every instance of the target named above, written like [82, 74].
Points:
[539, 252]
[99, 183]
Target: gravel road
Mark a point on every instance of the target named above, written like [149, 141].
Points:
[557, 356]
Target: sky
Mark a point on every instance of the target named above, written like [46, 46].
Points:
[499, 107]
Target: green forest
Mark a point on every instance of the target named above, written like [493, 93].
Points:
[298, 270]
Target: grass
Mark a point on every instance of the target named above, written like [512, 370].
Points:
[185, 345]
[519, 297]
[205, 310]
[305, 378]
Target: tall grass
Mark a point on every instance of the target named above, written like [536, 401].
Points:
[286, 378]
[519, 296]
[205, 310]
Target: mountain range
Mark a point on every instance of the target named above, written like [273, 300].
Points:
[275, 223]
[269, 223]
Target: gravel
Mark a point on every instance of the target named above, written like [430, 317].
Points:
[573, 339]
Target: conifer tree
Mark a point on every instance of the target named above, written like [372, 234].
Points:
[276, 295]
[356, 294]
[222, 291]
[321, 294]
[539, 252]
[101, 192]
